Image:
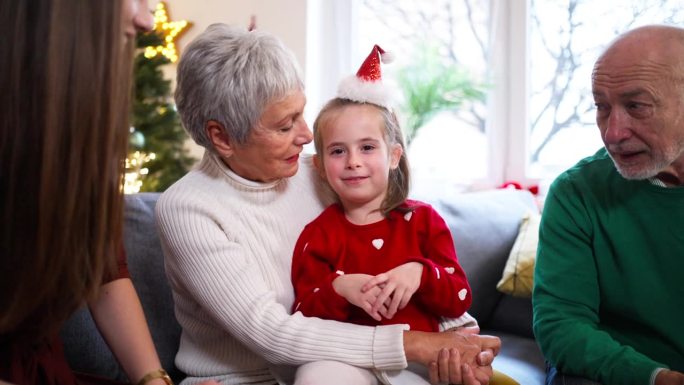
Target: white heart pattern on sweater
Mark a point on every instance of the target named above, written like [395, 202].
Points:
[408, 216]
[377, 243]
[449, 270]
[462, 294]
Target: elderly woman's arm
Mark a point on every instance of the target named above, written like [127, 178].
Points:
[220, 280]
[225, 279]
[228, 248]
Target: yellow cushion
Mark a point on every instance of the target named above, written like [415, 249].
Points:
[501, 379]
[518, 274]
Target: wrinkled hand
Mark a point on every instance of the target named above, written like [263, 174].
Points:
[669, 377]
[349, 286]
[453, 357]
[476, 368]
[465, 329]
[398, 286]
[448, 369]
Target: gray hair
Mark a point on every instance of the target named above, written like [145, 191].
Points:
[230, 75]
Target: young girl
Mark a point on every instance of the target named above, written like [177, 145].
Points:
[375, 257]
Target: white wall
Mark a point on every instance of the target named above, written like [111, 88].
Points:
[283, 18]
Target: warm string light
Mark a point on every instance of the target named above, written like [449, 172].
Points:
[135, 171]
[170, 30]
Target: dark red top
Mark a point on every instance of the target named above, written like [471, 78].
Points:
[44, 363]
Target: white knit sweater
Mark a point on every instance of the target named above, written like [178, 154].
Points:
[228, 248]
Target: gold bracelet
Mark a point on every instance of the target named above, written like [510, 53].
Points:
[153, 375]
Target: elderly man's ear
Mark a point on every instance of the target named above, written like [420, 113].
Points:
[219, 139]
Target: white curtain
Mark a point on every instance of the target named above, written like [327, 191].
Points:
[330, 42]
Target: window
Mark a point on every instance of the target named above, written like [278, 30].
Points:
[531, 59]
[441, 50]
[566, 38]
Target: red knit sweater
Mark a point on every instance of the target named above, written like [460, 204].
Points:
[331, 245]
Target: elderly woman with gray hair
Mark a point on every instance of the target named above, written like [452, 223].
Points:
[229, 226]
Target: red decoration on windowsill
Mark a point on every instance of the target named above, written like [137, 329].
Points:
[534, 189]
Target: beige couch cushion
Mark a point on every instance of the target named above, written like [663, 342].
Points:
[518, 274]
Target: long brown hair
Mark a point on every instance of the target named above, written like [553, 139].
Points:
[399, 178]
[64, 76]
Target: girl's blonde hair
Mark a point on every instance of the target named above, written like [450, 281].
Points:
[65, 79]
[399, 177]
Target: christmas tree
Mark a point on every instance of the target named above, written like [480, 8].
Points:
[157, 157]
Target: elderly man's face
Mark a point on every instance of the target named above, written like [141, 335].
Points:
[273, 147]
[639, 110]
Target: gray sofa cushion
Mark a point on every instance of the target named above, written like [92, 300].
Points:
[146, 266]
[484, 226]
[85, 349]
[512, 315]
[519, 358]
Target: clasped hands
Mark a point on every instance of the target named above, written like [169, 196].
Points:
[460, 356]
[381, 295]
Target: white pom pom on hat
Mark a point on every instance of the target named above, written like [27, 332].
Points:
[367, 85]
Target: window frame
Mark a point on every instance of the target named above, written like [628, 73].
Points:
[507, 125]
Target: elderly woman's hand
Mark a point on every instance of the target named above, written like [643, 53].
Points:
[448, 369]
[434, 350]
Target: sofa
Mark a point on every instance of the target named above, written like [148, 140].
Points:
[484, 226]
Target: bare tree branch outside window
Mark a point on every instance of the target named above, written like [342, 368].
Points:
[566, 36]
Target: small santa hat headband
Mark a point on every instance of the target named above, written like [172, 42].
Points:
[367, 86]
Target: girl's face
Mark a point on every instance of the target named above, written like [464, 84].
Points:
[356, 158]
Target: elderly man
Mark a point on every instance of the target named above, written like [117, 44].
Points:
[608, 299]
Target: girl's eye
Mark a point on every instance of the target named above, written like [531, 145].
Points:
[336, 151]
[367, 147]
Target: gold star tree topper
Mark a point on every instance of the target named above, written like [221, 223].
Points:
[169, 30]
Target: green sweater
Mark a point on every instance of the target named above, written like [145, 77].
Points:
[609, 294]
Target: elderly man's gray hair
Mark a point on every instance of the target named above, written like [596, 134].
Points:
[229, 75]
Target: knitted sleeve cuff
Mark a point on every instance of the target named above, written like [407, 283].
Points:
[388, 347]
[654, 374]
[465, 320]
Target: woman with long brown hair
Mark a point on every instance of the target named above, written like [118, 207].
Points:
[65, 71]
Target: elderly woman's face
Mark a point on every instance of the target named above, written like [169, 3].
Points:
[273, 147]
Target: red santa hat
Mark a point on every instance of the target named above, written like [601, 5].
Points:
[367, 85]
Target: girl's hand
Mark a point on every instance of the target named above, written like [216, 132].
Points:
[398, 286]
[349, 286]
